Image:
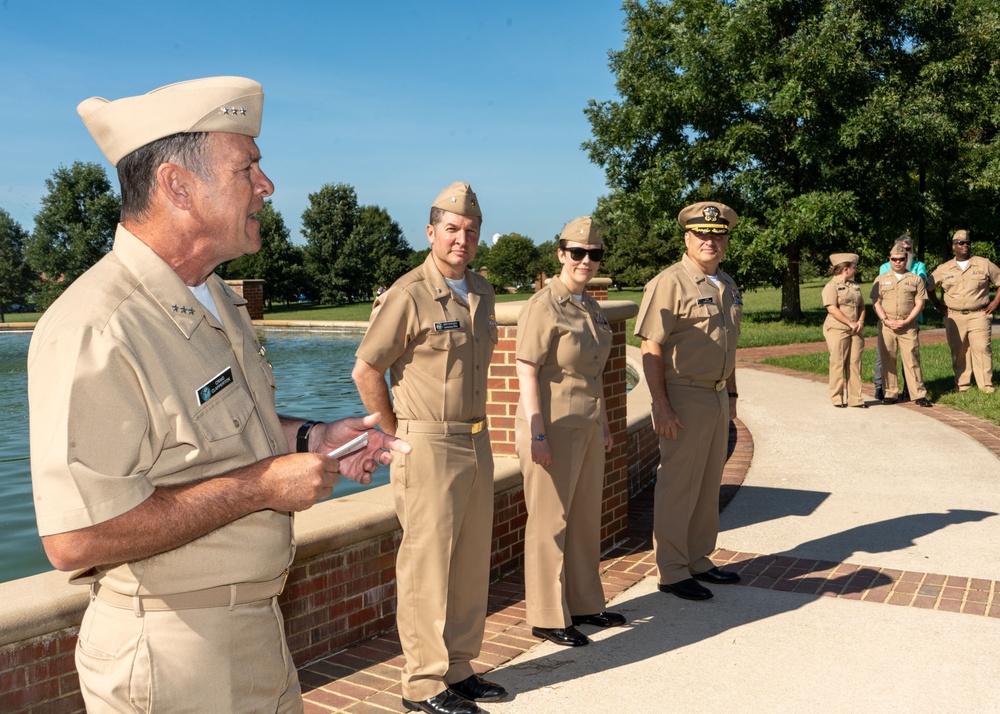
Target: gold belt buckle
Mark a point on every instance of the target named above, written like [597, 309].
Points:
[720, 385]
[284, 580]
[477, 426]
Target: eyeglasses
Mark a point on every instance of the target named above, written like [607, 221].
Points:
[908, 249]
[962, 242]
[596, 254]
[899, 259]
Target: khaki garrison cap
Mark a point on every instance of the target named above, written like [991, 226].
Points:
[898, 247]
[227, 104]
[960, 235]
[458, 198]
[582, 230]
[708, 217]
[838, 258]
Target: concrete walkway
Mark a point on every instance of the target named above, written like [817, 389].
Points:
[868, 541]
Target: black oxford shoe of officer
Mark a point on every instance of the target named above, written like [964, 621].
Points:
[889, 400]
[601, 619]
[569, 637]
[717, 576]
[446, 702]
[477, 689]
[923, 402]
[689, 589]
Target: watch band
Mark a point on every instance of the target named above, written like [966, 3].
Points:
[302, 438]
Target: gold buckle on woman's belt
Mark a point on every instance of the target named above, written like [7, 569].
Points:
[720, 385]
[478, 425]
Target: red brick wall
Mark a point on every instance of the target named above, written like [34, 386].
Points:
[253, 292]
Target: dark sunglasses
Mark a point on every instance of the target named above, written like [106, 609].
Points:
[577, 253]
[897, 260]
[962, 242]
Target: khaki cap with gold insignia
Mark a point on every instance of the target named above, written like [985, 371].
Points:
[582, 230]
[960, 235]
[228, 104]
[458, 198]
[838, 258]
[708, 217]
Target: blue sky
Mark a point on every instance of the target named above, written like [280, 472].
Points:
[396, 98]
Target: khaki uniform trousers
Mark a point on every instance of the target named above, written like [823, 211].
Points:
[443, 492]
[206, 660]
[971, 352]
[907, 345]
[845, 361]
[686, 499]
[562, 539]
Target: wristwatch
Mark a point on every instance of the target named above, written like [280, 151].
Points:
[302, 438]
[540, 437]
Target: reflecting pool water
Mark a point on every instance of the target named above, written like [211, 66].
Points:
[313, 371]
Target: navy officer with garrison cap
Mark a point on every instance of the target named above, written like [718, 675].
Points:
[689, 322]
[162, 474]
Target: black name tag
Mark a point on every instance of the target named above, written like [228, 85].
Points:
[706, 301]
[215, 385]
[450, 325]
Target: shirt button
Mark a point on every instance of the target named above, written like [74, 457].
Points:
[236, 423]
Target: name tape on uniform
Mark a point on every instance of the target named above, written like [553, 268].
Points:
[215, 385]
[450, 325]
[706, 301]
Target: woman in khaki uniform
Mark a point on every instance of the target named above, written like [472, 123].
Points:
[562, 435]
[842, 328]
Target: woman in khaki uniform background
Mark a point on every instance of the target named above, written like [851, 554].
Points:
[562, 435]
[842, 328]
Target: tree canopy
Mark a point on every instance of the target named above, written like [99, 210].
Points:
[828, 125]
[74, 228]
[350, 249]
[511, 262]
[15, 275]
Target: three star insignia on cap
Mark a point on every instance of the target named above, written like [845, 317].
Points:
[233, 110]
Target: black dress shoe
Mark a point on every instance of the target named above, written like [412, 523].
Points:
[569, 637]
[840, 406]
[601, 619]
[923, 402]
[446, 702]
[889, 400]
[689, 589]
[719, 577]
[860, 406]
[879, 393]
[477, 689]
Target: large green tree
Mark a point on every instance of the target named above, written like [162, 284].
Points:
[74, 228]
[15, 275]
[511, 262]
[373, 256]
[327, 226]
[828, 125]
[278, 263]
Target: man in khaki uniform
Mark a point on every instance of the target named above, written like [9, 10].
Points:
[434, 331]
[689, 322]
[968, 312]
[897, 298]
[161, 471]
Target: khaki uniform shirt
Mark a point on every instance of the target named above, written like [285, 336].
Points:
[697, 323]
[846, 296]
[968, 289]
[437, 349]
[899, 296]
[133, 385]
[570, 342]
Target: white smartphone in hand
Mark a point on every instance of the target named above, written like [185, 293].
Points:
[358, 442]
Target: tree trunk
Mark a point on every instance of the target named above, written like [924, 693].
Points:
[791, 302]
